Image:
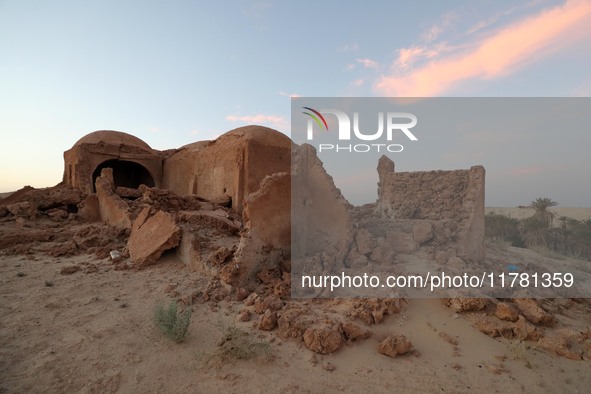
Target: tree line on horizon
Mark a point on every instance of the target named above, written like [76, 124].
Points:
[544, 229]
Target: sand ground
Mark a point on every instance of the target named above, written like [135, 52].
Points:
[92, 332]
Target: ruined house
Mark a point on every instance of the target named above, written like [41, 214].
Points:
[225, 170]
[412, 207]
[247, 195]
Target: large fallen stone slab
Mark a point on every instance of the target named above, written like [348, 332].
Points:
[151, 236]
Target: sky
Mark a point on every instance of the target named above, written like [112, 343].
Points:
[176, 72]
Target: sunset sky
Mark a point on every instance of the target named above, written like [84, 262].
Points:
[176, 72]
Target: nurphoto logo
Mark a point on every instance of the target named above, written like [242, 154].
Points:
[395, 121]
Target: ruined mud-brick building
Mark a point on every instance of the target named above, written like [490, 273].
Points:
[439, 214]
[249, 173]
[225, 170]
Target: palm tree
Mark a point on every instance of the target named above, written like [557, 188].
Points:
[541, 205]
[583, 234]
[565, 231]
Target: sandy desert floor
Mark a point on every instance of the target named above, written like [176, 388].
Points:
[92, 331]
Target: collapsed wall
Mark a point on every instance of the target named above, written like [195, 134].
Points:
[456, 196]
[320, 214]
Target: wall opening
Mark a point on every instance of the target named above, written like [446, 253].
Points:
[125, 174]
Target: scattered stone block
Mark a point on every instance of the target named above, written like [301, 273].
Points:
[394, 346]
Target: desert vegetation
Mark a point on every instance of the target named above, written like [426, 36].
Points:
[171, 322]
[562, 235]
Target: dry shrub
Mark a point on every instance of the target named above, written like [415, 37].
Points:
[171, 322]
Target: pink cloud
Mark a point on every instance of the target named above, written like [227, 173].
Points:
[408, 56]
[494, 18]
[437, 29]
[432, 33]
[274, 121]
[368, 63]
[483, 24]
[290, 95]
[504, 51]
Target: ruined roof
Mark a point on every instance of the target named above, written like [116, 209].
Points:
[112, 137]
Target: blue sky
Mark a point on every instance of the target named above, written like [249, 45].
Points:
[176, 72]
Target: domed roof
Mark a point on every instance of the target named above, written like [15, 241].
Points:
[261, 134]
[112, 137]
[195, 146]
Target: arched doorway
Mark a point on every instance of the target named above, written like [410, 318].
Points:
[125, 174]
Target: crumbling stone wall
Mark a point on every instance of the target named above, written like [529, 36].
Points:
[456, 196]
[322, 221]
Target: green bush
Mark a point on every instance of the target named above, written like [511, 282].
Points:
[171, 322]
